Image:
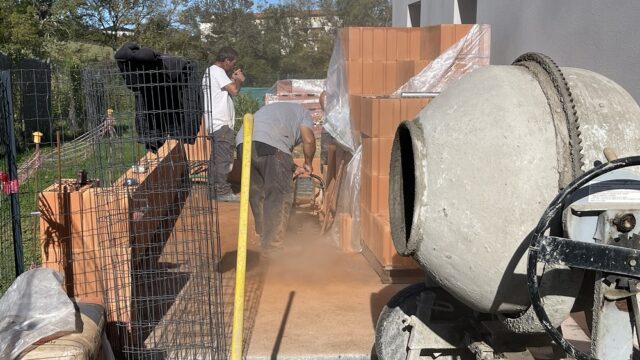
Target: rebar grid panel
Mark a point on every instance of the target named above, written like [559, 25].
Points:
[159, 245]
[7, 263]
[117, 207]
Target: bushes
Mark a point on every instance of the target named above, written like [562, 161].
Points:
[244, 103]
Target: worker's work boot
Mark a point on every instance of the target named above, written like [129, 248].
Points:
[272, 252]
[255, 240]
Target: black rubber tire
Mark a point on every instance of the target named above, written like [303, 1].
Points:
[391, 337]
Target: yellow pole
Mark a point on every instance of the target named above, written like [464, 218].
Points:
[241, 262]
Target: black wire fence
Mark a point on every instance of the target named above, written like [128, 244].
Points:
[108, 189]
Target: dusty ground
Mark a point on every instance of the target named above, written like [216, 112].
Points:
[313, 301]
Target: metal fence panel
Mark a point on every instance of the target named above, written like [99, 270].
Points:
[115, 199]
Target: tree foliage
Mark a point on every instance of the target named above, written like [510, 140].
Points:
[363, 12]
[114, 16]
[20, 34]
[293, 38]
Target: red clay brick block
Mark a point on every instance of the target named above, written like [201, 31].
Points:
[367, 44]
[415, 43]
[376, 194]
[367, 154]
[355, 107]
[387, 254]
[346, 233]
[388, 117]
[380, 116]
[402, 47]
[382, 206]
[460, 31]
[354, 77]
[366, 190]
[366, 113]
[365, 226]
[419, 65]
[379, 44]
[410, 107]
[405, 71]
[351, 38]
[391, 82]
[369, 115]
[439, 38]
[384, 157]
[447, 37]
[373, 78]
[430, 46]
[391, 42]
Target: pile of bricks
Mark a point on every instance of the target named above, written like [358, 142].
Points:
[304, 92]
[378, 61]
[378, 130]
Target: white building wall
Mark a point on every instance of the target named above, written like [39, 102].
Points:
[432, 12]
[399, 13]
[590, 34]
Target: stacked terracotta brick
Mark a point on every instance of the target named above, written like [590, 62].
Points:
[295, 91]
[378, 61]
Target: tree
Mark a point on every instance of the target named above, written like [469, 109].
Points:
[19, 29]
[296, 40]
[113, 16]
[362, 12]
[233, 23]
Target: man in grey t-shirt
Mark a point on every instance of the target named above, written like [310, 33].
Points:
[277, 129]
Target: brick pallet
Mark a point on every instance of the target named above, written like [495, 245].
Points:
[377, 62]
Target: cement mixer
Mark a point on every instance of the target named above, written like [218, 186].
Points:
[517, 191]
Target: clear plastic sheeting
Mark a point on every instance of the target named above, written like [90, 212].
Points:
[297, 86]
[303, 92]
[337, 119]
[33, 308]
[349, 200]
[468, 54]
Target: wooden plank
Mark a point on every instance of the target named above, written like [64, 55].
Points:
[390, 275]
[331, 200]
[331, 163]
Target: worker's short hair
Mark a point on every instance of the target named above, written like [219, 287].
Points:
[227, 52]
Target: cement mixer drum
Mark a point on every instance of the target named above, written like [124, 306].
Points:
[480, 164]
[501, 191]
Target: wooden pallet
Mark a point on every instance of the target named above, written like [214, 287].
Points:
[391, 275]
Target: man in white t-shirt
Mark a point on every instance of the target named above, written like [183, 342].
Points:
[219, 118]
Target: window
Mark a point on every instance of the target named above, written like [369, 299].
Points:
[414, 14]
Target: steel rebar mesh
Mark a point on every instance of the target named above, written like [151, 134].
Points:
[115, 205]
[7, 266]
[160, 270]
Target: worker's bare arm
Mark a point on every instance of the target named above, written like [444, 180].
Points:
[308, 147]
[237, 78]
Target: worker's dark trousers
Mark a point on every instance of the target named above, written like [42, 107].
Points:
[220, 161]
[271, 195]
